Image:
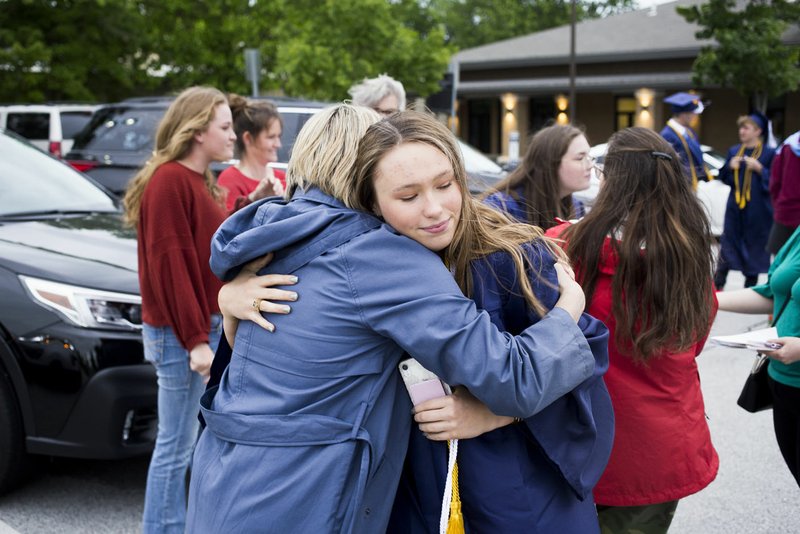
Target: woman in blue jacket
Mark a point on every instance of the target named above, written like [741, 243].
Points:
[308, 428]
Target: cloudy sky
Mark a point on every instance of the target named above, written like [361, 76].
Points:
[648, 3]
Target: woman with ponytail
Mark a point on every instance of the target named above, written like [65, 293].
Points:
[643, 256]
[258, 138]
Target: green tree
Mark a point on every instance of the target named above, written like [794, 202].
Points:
[327, 45]
[69, 49]
[202, 42]
[747, 53]
[472, 23]
[109, 49]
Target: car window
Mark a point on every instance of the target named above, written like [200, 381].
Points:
[129, 129]
[32, 181]
[29, 125]
[475, 161]
[73, 122]
[292, 122]
[714, 159]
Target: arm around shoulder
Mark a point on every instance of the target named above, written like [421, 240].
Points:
[416, 303]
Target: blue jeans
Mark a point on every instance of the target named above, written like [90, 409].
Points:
[179, 391]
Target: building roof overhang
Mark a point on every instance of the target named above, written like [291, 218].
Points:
[621, 83]
[646, 34]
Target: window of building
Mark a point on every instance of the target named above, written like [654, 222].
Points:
[484, 124]
[541, 112]
[625, 112]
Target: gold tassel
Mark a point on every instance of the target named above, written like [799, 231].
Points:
[455, 523]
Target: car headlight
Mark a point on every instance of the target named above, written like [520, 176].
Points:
[86, 307]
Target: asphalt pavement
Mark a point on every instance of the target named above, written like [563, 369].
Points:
[753, 493]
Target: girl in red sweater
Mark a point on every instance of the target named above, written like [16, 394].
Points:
[176, 207]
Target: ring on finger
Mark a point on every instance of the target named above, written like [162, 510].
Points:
[257, 304]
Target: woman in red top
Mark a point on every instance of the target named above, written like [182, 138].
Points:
[258, 137]
[643, 256]
[176, 207]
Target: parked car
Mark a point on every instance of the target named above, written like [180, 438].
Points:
[73, 379]
[51, 127]
[713, 195]
[120, 138]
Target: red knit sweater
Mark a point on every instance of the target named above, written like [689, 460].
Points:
[177, 220]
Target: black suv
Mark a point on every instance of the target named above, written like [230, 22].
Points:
[73, 379]
[120, 137]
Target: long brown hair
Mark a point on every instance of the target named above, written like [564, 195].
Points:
[189, 113]
[662, 287]
[481, 230]
[537, 175]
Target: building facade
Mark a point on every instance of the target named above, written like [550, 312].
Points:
[625, 65]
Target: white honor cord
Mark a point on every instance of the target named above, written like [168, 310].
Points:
[448, 485]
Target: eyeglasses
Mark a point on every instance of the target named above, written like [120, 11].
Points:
[585, 159]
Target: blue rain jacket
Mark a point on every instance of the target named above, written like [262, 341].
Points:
[309, 426]
[531, 477]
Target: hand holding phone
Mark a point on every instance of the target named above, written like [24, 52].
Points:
[422, 385]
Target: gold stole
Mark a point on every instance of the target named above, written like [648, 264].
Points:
[691, 160]
[742, 195]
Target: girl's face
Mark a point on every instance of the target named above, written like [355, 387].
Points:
[266, 144]
[416, 192]
[216, 141]
[575, 169]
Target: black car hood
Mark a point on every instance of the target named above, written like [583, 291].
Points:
[93, 250]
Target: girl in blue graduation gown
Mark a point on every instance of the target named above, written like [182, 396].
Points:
[748, 216]
[537, 474]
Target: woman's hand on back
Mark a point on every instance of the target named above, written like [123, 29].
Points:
[572, 298]
[456, 416]
[248, 296]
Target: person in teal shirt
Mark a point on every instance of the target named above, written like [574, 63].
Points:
[780, 296]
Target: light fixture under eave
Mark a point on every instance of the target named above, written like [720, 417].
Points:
[509, 102]
[562, 102]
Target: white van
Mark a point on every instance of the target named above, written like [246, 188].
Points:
[51, 127]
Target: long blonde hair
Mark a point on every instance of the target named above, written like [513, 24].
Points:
[481, 230]
[190, 113]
